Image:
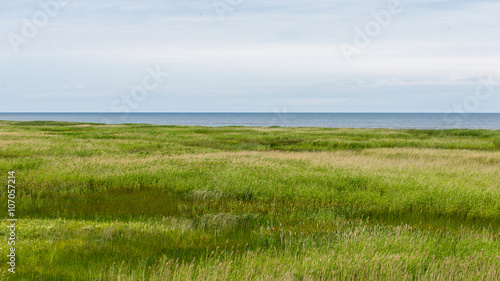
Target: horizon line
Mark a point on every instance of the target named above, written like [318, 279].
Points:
[243, 112]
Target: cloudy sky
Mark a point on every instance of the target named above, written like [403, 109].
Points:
[249, 56]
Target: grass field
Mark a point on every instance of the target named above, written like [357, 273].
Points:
[144, 202]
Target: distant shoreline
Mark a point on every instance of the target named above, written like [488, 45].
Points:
[424, 121]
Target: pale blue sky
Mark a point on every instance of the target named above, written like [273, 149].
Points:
[264, 56]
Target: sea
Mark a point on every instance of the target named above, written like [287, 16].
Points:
[489, 121]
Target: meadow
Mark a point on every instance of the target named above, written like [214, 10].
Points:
[148, 202]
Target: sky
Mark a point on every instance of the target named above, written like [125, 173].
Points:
[250, 56]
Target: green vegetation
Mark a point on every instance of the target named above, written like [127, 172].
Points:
[145, 202]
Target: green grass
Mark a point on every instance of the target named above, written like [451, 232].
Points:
[145, 202]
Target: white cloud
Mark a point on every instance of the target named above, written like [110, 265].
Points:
[106, 44]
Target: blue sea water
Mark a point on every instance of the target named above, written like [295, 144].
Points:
[330, 120]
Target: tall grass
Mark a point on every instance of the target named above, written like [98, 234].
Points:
[144, 202]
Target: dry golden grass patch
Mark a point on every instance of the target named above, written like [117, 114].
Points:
[2, 133]
[396, 158]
